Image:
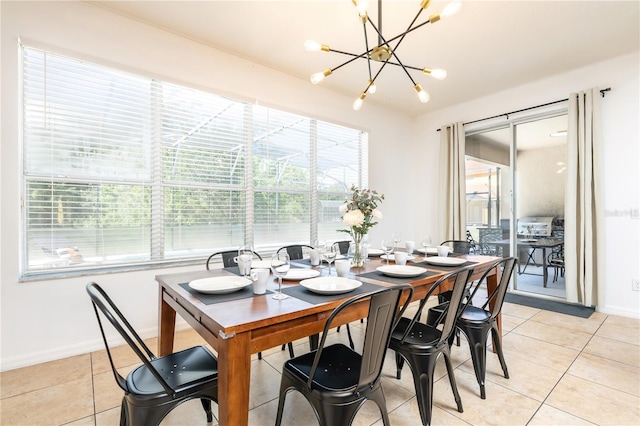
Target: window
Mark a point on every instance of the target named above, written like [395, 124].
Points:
[122, 170]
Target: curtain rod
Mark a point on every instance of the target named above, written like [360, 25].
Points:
[602, 93]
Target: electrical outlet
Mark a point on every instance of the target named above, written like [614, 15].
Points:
[635, 284]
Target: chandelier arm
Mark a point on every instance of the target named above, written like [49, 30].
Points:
[408, 28]
[392, 50]
[366, 46]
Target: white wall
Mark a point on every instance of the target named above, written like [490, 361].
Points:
[620, 111]
[46, 320]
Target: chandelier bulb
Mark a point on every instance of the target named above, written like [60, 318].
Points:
[438, 74]
[362, 6]
[372, 87]
[451, 9]
[422, 95]
[358, 103]
[319, 76]
[314, 46]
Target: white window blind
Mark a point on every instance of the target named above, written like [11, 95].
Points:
[121, 170]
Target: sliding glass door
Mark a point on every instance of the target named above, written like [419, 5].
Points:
[515, 198]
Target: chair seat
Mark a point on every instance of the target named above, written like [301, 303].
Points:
[473, 314]
[338, 369]
[189, 367]
[421, 336]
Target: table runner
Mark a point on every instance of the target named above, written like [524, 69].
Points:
[300, 292]
[209, 299]
[376, 275]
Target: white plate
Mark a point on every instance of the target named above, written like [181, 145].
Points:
[260, 264]
[298, 274]
[401, 270]
[220, 285]
[445, 261]
[392, 257]
[330, 285]
[375, 252]
[432, 250]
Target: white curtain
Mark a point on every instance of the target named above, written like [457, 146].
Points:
[584, 227]
[452, 206]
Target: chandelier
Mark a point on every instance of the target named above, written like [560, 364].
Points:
[383, 52]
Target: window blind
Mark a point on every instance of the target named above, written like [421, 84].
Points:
[120, 169]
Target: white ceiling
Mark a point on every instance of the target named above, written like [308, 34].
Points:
[487, 47]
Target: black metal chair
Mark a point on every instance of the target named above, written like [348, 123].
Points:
[459, 246]
[479, 317]
[296, 251]
[227, 258]
[335, 379]
[160, 384]
[422, 344]
[343, 246]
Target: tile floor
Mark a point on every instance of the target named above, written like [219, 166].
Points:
[563, 371]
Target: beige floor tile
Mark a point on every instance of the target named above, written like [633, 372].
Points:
[595, 403]
[107, 393]
[85, 421]
[122, 356]
[505, 406]
[109, 417]
[547, 415]
[554, 334]
[41, 376]
[519, 311]
[525, 377]
[606, 372]
[55, 405]
[584, 325]
[542, 353]
[297, 411]
[622, 329]
[509, 322]
[189, 413]
[265, 383]
[408, 414]
[615, 350]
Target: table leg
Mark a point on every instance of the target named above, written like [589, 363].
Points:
[234, 376]
[492, 283]
[166, 326]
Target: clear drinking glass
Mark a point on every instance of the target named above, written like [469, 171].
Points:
[280, 264]
[387, 247]
[426, 242]
[396, 240]
[330, 253]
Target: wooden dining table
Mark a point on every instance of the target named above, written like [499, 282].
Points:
[238, 328]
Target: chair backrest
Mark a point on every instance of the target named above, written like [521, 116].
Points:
[101, 301]
[296, 251]
[504, 267]
[386, 306]
[459, 246]
[343, 246]
[228, 257]
[453, 307]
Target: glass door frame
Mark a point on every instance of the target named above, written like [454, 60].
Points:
[511, 124]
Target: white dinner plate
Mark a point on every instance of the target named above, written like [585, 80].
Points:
[432, 250]
[220, 285]
[330, 285]
[260, 264]
[375, 252]
[392, 257]
[445, 261]
[298, 274]
[401, 270]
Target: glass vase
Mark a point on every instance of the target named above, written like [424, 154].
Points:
[359, 251]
